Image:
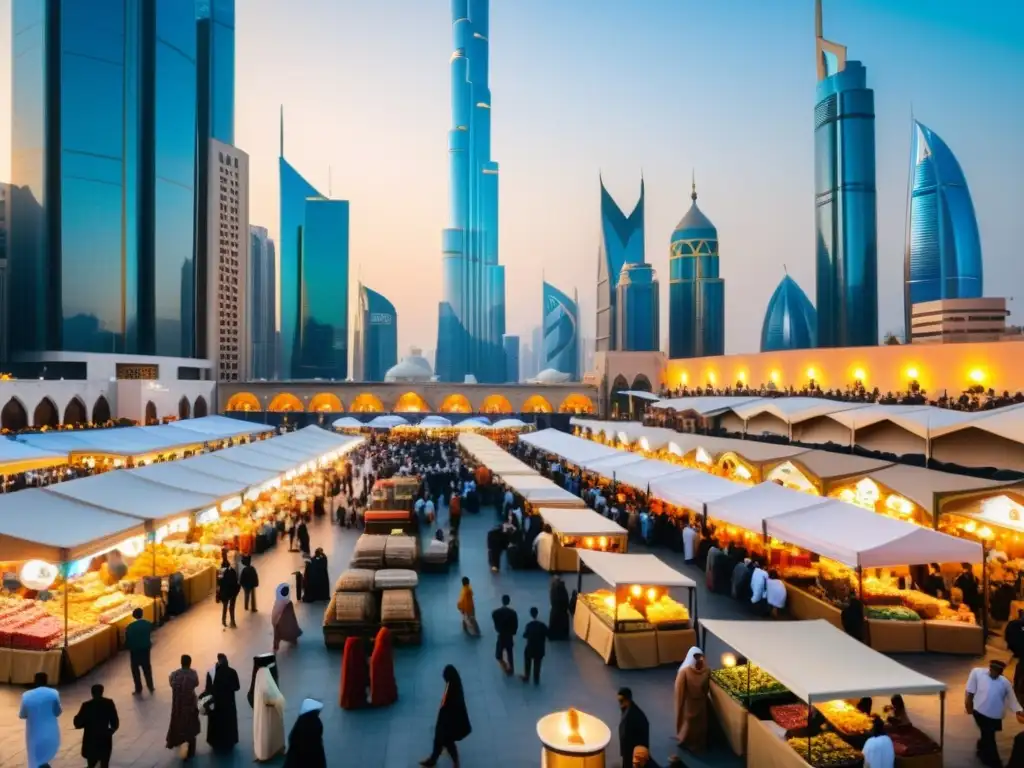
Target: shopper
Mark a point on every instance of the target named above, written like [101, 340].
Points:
[227, 591]
[267, 710]
[452, 719]
[40, 708]
[138, 639]
[467, 608]
[879, 751]
[987, 696]
[282, 619]
[222, 724]
[506, 624]
[634, 729]
[306, 741]
[98, 719]
[558, 617]
[184, 726]
[693, 683]
[536, 635]
[248, 581]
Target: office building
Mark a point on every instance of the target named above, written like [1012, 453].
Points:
[511, 345]
[845, 207]
[561, 324]
[4, 202]
[790, 321]
[622, 242]
[638, 311]
[696, 294]
[953, 321]
[943, 249]
[471, 319]
[227, 335]
[375, 338]
[263, 303]
[313, 277]
[103, 151]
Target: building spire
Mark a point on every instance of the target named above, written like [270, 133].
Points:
[281, 135]
[785, 270]
[693, 185]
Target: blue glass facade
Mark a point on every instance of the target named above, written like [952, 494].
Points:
[943, 248]
[263, 304]
[103, 157]
[561, 324]
[511, 344]
[622, 242]
[376, 337]
[790, 321]
[638, 309]
[696, 294]
[845, 215]
[471, 316]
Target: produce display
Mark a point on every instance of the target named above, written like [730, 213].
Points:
[224, 530]
[602, 603]
[910, 742]
[891, 613]
[845, 718]
[667, 611]
[791, 717]
[734, 681]
[176, 557]
[826, 751]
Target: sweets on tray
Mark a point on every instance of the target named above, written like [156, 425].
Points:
[826, 751]
[845, 718]
[666, 610]
[602, 602]
[791, 717]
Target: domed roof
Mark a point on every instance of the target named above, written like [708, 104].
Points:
[550, 376]
[694, 225]
[413, 367]
[790, 322]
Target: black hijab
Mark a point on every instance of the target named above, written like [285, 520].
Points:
[452, 717]
[258, 662]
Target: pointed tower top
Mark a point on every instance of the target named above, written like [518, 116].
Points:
[693, 185]
[281, 136]
[785, 270]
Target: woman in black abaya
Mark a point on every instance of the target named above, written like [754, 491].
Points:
[452, 719]
[221, 687]
[558, 618]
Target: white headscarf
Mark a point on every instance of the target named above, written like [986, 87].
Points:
[691, 658]
[310, 705]
[278, 592]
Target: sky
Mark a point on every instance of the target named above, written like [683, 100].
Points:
[722, 88]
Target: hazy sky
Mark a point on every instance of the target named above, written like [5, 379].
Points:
[616, 86]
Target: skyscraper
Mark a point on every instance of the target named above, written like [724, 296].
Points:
[5, 199]
[471, 317]
[561, 324]
[844, 162]
[103, 150]
[511, 345]
[696, 294]
[263, 303]
[943, 248]
[622, 242]
[375, 340]
[790, 321]
[638, 309]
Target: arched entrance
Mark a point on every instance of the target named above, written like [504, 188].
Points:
[100, 411]
[619, 401]
[456, 403]
[243, 401]
[411, 402]
[325, 402]
[496, 404]
[75, 414]
[13, 417]
[366, 403]
[184, 408]
[285, 402]
[151, 415]
[200, 409]
[641, 384]
[46, 414]
[576, 403]
[537, 404]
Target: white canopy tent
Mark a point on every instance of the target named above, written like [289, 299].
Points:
[509, 424]
[572, 449]
[18, 457]
[245, 454]
[216, 465]
[182, 474]
[640, 474]
[387, 422]
[693, 490]
[128, 494]
[434, 421]
[619, 570]
[749, 508]
[348, 422]
[280, 449]
[580, 522]
[705, 406]
[607, 464]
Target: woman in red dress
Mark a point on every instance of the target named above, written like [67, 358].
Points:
[353, 674]
[383, 688]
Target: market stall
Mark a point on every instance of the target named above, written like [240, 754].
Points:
[636, 624]
[571, 449]
[537, 491]
[575, 529]
[693, 490]
[16, 458]
[788, 704]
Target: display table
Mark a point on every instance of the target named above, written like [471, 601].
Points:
[635, 649]
[575, 529]
[896, 636]
[732, 717]
[5, 665]
[200, 585]
[771, 751]
[954, 637]
[88, 653]
[802, 606]
[25, 665]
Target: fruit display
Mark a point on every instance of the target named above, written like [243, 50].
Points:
[225, 529]
[602, 603]
[878, 592]
[791, 717]
[910, 742]
[176, 557]
[845, 718]
[826, 751]
[665, 610]
[799, 573]
[891, 613]
[734, 681]
[925, 606]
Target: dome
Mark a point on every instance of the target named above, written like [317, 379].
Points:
[790, 321]
[413, 367]
[694, 225]
[550, 376]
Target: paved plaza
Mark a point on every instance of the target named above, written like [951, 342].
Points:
[503, 710]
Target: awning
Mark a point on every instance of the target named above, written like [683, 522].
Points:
[815, 660]
[509, 424]
[18, 457]
[749, 508]
[705, 406]
[617, 570]
[580, 522]
[793, 410]
[386, 422]
[693, 490]
[348, 422]
[434, 421]
[573, 449]
[128, 494]
[640, 474]
[826, 465]
[643, 395]
[183, 474]
[926, 486]
[607, 464]
[215, 465]
[859, 537]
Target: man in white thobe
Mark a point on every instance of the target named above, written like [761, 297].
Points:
[40, 709]
[689, 543]
[758, 582]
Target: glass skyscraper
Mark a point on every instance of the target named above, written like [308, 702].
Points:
[638, 309]
[943, 247]
[104, 155]
[845, 215]
[471, 317]
[622, 242]
[696, 294]
[263, 304]
[790, 321]
[375, 341]
[511, 345]
[561, 324]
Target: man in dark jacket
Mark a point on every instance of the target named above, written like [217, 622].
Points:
[506, 624]
[1015, 635]
[138, 640]
[248, 581]
[227, 591]
[742, 573]
[536, 635]
[634, 730]
[98, 718]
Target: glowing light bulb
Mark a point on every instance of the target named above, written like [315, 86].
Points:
[911, 373]
[775, 376]
[741, 377]
[859, 374]
[636, 590]
[811, 373]
[977, 375]
[589, 542]
[728, 660]
[602, 542]
[652, 595]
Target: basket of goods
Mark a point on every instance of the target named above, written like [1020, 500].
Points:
[845, 718]
[800, 574]
[397, 605]
[665, 610]
[355, 580]
[891, 613]
[877, 593]
[910, 742]
[735, 681]
[789, 717]
[369, 551]
[602, 603]
[400, 552]
[826, 751]
[395, 578]
[353, 606]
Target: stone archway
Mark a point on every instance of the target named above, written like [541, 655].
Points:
[537, 404]
[496, 404]
[200, 409]
[456, 403]
[619, 402]
[411, 402]
[366, 403]
[285, 402]
[243, 401]
[641, 384]
[14, 417]
[100, 411]
[46, 414]
[75, 414]
[576, 403]
[325, 402]
[151, 415]
[184, 408]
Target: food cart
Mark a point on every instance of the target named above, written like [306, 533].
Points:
[574, 529]
[637, 624]
[796, 683]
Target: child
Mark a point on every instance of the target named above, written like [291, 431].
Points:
[467, 608]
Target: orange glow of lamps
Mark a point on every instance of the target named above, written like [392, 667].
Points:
[602, 542]
[976, 375]
[741, 377]
[774, 377]
[811, 373]
[911, 372]
[859, 374]
[652, 595]
[636, 590]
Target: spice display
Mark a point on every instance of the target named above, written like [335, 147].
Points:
[791, 717]
[734, 680]
[826, 751]
[845, 718]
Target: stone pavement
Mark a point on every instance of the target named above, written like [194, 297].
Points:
[503, 710]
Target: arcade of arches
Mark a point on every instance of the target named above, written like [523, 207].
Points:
[325, 402]
[496, 404]
[576, 403]
[367, 403]
[285, 402]
[14, 416]
[243, 401]
[410, 402]
[456, 403]
[537, 404]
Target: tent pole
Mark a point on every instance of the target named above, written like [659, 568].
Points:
[942, 720]
[809, 731]
[984, 590]
[860, 583]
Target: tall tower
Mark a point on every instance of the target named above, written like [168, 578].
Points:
[622, 242]
[471, 316]
[561, 324]
[845, 215]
